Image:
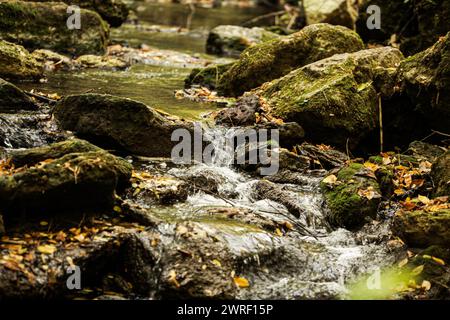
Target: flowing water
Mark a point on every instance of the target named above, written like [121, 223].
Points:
[293, 266]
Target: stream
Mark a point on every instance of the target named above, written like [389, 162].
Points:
[292, 266]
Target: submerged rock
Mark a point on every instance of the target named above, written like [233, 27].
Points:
[420, 228]
[336, 12]
[118, 123]
[17, 63]
[415, 24]
[206, 77]
[275, 58]
[43, 25]
[440, 173]
[101, 62]
[425, 77]
[73, 182]
[352, 196]
[12, 99]
[232, 40]
[336, 99]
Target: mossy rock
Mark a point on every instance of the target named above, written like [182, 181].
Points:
[440, 173]
[12, 99]
[336, 12]
[420, 228]
[30, 157]
[17, 63]
[346, 207]
[232, 40]
[425, 78]
[43, 25]
[115, 12]
[77, 181]
[273, 59]
[336, 99]
[207, 77]
[417, 24]
[118, 124]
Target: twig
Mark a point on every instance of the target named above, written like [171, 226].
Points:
[264, 16]
[41, 97]
[380, 113]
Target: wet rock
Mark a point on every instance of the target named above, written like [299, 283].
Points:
[83, 181]
[336, 99]
[12, 99]
[53, 61]
[244, 113]
[352, 196]
[423, 151]
[420, 228]
[415, 25]
[17, 63]
[101, 62]
[118, 123]
[29, 157]
[426, 80]
[336, 12]
[322, 156]
[206, 77]
[232, 40]
[440, 173]
[46, 28]
[275, 58]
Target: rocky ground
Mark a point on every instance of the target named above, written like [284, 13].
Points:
[86, 180]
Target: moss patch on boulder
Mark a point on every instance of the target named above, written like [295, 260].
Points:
[17, 63]
[12, 99]
[207, 77]
[273, 59]
[43, 25]
[353, 198]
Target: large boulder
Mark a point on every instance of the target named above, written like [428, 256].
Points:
[115, 12]
[12, 99]
[232, 40]
[425, 77]
[336, 99]
[420, 228]
[440, 172]
[273, 59]
[76, 181]
[415, 24]
[337, 12]
[43, 25]
[118, 123]
[352, 196]
[17, 63]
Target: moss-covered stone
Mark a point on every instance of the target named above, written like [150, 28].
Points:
[29, 157]
[77, 181]
[440, 173]
[420, 228]
[348, 204]
[118, 123]
[12, 99]
[43, 25]
[336, 99]
[232, 40]
[115, 12]
[416, 24]
[101, 62]
[273, 59]
[206, 77]
[426, 80]
[17, 63]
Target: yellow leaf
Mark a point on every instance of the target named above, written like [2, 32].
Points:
[371, 166]
[330, 180]
[47, 249]
[424, 199]
[278, 232]
[418, 270]
[117, 209]
[216, 262]
[440, 261]
[399, 192]
[43, 223]
[173, 278]
[241, 282]
[403, 263]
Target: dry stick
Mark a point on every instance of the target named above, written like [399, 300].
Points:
[40, 97]
[380, 113]
[264, 16]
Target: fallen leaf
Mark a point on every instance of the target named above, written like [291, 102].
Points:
[241, 282]
[426, 285]
[47, 249]
[332, 179]
[418, 270]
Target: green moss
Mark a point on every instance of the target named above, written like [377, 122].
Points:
[18, 63]
[207, 77]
